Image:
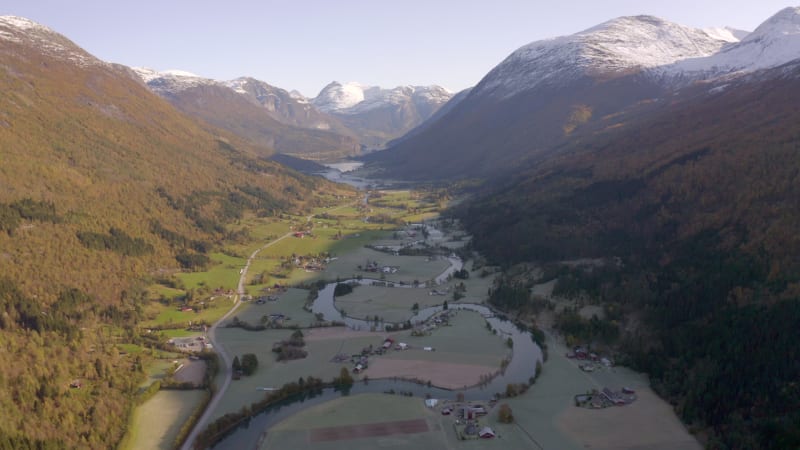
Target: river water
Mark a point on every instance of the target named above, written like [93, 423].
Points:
[340, 172]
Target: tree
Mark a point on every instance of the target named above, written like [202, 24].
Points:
[344, 378]
[236, 364]
[444, 306]
[504, 414]
[415, 308]
[249, 363]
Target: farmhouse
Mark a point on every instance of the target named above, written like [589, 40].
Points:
[486, 433]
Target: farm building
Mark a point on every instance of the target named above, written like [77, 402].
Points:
[486, 433]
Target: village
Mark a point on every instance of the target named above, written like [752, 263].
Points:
[398, 272]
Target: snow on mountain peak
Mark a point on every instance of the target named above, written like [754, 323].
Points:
[616, 46]
[22, 23]
[774, 43]
[171, 80]
[25, 31]
[337, 96]
[354, 98]
[726, 34]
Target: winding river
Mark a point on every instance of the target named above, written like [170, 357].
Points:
[520, 369]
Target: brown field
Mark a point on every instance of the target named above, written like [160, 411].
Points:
[369, 430]
[442, 374]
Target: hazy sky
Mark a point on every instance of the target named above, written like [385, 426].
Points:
[305, 44]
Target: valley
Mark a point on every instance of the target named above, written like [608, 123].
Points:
[594, 246]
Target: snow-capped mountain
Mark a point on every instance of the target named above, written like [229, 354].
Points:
[264, 114]
[379, 115]
[287, 107]
[775, 42]
[616, 47]
[355, 98]
[550, 92]
[171, 82]
[21, 30]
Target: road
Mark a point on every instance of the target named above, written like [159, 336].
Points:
[227, 361]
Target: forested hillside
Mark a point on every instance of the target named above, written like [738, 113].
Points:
[102, 186]
[700, 198]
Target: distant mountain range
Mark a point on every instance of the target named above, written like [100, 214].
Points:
[556, 91]
[343, 120]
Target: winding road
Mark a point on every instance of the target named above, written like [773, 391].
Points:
[227, 361]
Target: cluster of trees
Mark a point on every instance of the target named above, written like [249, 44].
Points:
[307, 387]
[579, 329]
[247, 365]
[11, 214]
[291, 348]
[508, 293]
[116, 240]
[342, 289]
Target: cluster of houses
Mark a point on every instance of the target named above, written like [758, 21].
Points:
[361, 361]
[605, 398]
[374, 267]
[467, 424]
[310, 263]
[590, 361]
[190, 344]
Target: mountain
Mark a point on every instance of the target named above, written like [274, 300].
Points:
[699, 200]
[105, 188]
[286, 107]
[446, 108]
[545, 92]
[378, 115]
[774, 42]
[263, 114]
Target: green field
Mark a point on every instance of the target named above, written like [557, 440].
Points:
[169, 315]
[224, 273]
[157, 421]
[465, 341]
[360, 409]
[289, 303]
[410, 268]
[391, 304]
[271, 373]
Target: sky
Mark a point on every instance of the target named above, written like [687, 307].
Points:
[306, 44]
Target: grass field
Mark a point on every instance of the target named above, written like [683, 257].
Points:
[466, 341]
[271, 373]
[410, 268]
[223, 273]
[390, 304]
[289, 303]
[157, 421]
[165, 315]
